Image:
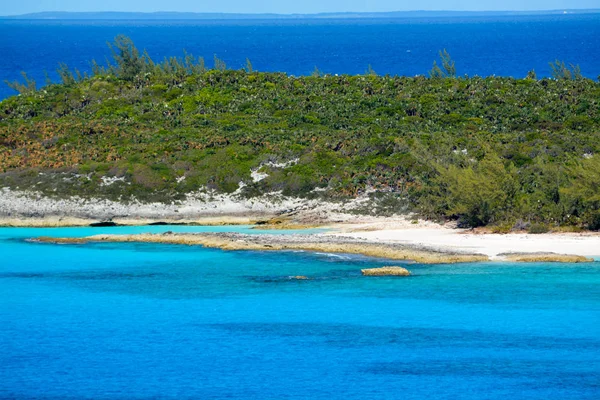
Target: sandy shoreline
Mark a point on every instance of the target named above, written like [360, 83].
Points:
[495, 246]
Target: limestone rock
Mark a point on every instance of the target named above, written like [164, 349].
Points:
[386, 271]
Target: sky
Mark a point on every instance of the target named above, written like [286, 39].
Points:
[10, 7]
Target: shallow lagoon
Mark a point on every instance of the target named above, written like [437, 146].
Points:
[112, 320]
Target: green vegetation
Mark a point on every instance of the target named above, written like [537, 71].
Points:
[561, 71]
[448, 69]
[485, 151]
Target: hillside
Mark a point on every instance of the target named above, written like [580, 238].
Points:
[486, 151]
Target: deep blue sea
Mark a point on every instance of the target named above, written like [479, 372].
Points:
[147, 321]
[509, 46]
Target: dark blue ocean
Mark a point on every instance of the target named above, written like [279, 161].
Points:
[509, 46]
[147, 321]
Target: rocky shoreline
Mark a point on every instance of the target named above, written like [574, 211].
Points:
[545, 257]
[315, 242]
[32, 209]
[396, 237]
[322, 243]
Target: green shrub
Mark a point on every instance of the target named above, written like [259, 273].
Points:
[538, 228]
[592, 221]
[502, 228]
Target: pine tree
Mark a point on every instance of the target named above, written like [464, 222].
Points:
[23, 88]
[127, 57]
[448, 69]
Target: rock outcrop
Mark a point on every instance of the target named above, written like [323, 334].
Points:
[386, 271]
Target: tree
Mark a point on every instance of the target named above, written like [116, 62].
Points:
[583, 194]
[448, 69]
[370, 71]
[97, 70]
[65, 74]
[200, 67]
[47, 79]
[23, 88]
[126, 55]
[193, 66]
[219, 64]
[249, 68]
[481, 194]
[561, 71]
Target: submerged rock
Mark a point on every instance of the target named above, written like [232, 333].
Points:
[386, 271]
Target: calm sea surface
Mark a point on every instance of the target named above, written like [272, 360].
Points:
[480, 45]
[164, 321]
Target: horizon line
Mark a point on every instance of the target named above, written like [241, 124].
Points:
[305, 15]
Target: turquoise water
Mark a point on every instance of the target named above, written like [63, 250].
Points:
[165, 321]
[126, 230]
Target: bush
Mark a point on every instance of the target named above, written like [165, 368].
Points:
[593, 221]
[481, 194]
[502, 228]
[538, 229]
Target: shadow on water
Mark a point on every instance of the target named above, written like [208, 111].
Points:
[349, 335]
[83, 276]
[342, 274]
[536, 373]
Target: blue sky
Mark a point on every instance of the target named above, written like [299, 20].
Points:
[11, 7]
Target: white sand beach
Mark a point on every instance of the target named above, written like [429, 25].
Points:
[493, 245]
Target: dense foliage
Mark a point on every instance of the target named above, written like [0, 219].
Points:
[484, 150]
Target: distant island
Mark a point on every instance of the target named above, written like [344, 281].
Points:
[59, 15]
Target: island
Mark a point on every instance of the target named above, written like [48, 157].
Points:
[413, 160]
